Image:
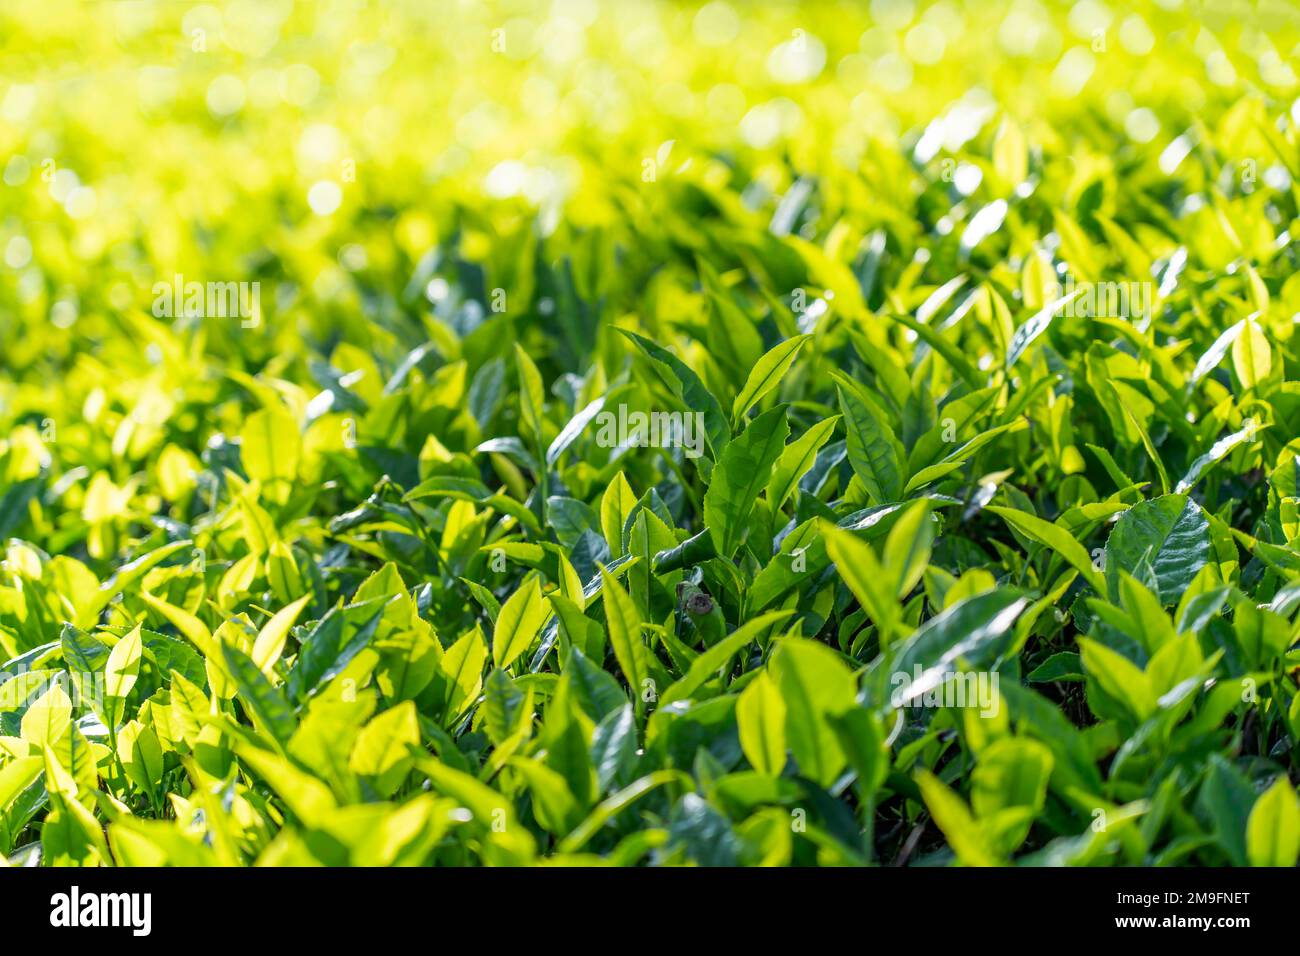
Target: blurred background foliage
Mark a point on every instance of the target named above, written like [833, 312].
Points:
[143, 139]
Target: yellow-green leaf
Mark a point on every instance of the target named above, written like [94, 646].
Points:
[1273, 829]
[271, 638]
[760, 718]
[519, 623]
[270, 445]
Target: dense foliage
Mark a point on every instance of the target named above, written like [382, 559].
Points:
[649, 434]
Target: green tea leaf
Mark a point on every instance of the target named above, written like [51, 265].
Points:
[742, 472]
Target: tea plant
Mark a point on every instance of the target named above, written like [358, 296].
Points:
[649, 435]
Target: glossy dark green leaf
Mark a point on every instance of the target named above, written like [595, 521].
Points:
[1170, 534]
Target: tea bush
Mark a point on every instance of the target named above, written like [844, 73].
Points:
[649, 433]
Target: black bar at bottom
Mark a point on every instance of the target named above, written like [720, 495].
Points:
[366, 906]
